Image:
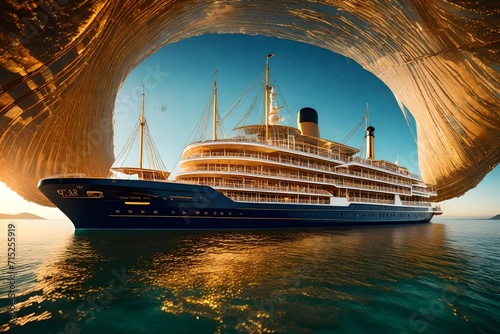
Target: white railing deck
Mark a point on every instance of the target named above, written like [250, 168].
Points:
[293, 176]
[317, 151]
[304, 190]
[399, 178]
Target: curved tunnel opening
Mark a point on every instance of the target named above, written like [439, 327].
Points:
[439, 59]
[178, 84]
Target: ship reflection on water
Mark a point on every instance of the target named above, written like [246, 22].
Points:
[239, 281]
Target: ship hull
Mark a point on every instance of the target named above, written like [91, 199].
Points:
[102, 203]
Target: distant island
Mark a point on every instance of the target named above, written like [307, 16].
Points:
[24, 215]
[497, 217]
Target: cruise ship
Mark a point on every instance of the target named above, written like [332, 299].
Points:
[263, 176]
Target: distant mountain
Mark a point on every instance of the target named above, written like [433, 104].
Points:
[24, 215]
[497, 217]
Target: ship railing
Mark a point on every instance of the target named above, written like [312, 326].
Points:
[416, 203]
[286, 145]
[392, 189]
[68, 175]
[383, 201]
[303, 163]
[254, 199]
[424, 188]
[425, 192]
[383, 165]
[300, 177]
[437, 208]
[369, 200]
[246, 170]
[422, 193]
[282, 175]
[251, 186]
[324, 152]
[374, 177]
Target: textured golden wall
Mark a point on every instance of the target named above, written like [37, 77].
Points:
[62, 63]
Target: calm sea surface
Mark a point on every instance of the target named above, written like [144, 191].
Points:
[442, 277]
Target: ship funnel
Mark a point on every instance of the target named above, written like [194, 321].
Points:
[308, 122]
[370, 143]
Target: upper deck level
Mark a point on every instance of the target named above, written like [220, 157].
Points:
[288, 140]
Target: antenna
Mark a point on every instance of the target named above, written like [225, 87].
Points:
[142, 122]
[367, 119]
[267, 94]
[215, 107]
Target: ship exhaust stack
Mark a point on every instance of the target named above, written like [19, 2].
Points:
[370, 143]
[308, 122]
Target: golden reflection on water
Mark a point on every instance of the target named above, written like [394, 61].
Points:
[248, 275]
[35, 249]
[241, 280]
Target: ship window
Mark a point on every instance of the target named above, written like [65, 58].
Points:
[117, 211]
[142, 211]
[172, 212]
[155, 212]
[129, 211]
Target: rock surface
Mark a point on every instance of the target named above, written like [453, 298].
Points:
[62, 63]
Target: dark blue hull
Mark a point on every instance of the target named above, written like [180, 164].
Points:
[100, 203]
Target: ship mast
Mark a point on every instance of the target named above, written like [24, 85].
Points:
[142, 122]
[215, 107]
[267, 95]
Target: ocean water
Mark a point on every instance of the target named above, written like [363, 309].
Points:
[442, 277]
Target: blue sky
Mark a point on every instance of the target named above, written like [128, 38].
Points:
[337, 87]
[178, 83]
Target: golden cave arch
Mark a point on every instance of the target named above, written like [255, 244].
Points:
[63, 62]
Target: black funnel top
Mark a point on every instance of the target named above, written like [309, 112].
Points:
[308, 115]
